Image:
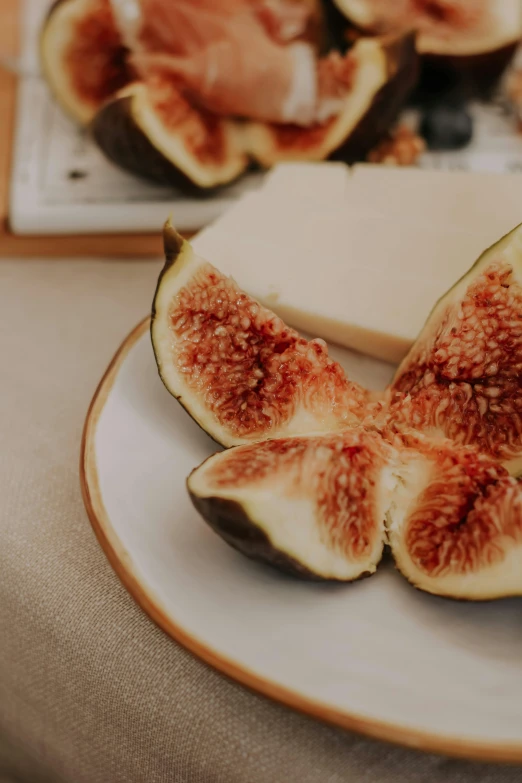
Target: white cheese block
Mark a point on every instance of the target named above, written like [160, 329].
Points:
[319, 181]
[363, 270]
[487, 204]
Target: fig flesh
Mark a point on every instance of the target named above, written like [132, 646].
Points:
[240, 372]
[459, 534]
[324, 475]
[384, 74]
[462, 379]
[464, 44]
[150, 128]
[82, 56]
[153, 124]
[323, 507]
[311, 505]
[153, 131]
[459, 28]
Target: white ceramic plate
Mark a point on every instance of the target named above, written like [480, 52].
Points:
[375, 656]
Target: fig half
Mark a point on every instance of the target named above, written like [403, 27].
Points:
[385, 72]
[82, 56]
[151, 129]
[239, 371]
[313, 506]
[463, 43]
[462, 379]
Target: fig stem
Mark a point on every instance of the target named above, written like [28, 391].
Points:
[172, 241]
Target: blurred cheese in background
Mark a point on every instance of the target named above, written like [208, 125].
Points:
[359, 256]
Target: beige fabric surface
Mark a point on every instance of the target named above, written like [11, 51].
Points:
[90, 690]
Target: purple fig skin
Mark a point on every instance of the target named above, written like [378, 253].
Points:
[469, 76]
[122, 141]
[52, 8]
[229, 520]
[172, 245]
[403, 70]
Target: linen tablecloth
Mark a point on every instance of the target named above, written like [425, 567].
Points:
[90, 690]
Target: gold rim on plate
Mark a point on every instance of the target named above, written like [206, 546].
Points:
[123, 566]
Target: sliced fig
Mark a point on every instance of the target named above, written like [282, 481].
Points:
[323, 506]
[459, 533]
[324, 475]
[462, 378]
[82, 56]
[384, 71]
[312, 505]
[153, 131]
[468, 41]
[240, 372]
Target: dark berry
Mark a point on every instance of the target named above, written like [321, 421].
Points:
[446, 127]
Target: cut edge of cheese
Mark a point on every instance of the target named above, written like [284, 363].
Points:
[351, 270]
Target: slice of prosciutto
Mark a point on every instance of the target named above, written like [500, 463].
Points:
[235, 58]
[284, 20]
[154, 23]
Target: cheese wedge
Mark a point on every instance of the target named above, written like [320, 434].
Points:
[364, 267]
[486, 203]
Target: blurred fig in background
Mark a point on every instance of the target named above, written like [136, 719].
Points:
[83, 56]
[190, 93]
[465, 45]
[151, 129]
